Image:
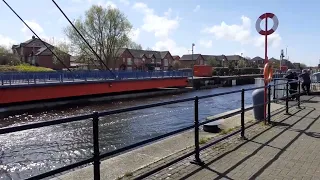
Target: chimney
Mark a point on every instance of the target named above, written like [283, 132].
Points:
[33, 37]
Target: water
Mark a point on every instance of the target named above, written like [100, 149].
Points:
[28, 153]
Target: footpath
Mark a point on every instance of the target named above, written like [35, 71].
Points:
[287, 149]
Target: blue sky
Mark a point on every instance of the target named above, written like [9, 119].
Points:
[215, 26]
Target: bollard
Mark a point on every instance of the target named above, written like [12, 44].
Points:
[96, 152]
[269, 104]
[287, 98]
[196, 131]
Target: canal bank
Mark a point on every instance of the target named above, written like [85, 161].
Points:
[128, 163]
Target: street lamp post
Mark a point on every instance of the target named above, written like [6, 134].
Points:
[192, 59]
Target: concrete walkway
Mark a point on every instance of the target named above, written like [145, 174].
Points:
[288, 149]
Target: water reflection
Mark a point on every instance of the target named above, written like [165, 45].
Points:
[36, 151]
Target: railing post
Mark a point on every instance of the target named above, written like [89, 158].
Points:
[242, 115]
[96, 151]
[196, 131]
[274, 88]
[299, 95]
[287, 98]
[269, 104]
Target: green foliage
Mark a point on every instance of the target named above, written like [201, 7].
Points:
[62, 50]
[7, 57]
[24, 68]
[242, 63]
[241, 71]
[105, 29]
[213, 62]
[176, 64]
[133, 45]
[204, 140]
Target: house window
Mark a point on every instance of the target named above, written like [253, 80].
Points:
[123, 60]
[165, 62]
[129, 61]
[152, 60]
[143, 60]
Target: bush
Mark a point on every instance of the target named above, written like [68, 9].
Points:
[24, 68]
[229, 72]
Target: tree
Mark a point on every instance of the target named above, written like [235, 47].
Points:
[61, 49]
[133, 45]
[176, 64]
[105, 29]
[212, 61]
[149, 49]
[7, 57]
[242, 63]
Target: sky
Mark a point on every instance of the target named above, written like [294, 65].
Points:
[216, 27]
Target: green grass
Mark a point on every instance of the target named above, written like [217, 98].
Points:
[226, 131]
[128, 174]
[24, 68]
[204, 140]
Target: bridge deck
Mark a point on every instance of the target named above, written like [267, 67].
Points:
[287, 150]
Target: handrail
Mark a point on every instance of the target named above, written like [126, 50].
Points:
[95, 118]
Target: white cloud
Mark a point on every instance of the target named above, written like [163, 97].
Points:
[242, 33]
[196, 9]
[33, 25]
[6, 41]
[235, 32]
[205, 43]
[125, 2]
[274, 41]
[134, 34]
[110, 4]
[170, 45]
[161, 26]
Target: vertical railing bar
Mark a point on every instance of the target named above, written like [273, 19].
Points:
[269, 104]
[299, 95]
[196, 132]
[287, 98]
[242, 115]
[96, 151]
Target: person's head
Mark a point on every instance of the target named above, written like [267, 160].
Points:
[304, 71]
[294, 73]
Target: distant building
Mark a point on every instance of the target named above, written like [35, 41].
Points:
[36, 53]
[189, 60]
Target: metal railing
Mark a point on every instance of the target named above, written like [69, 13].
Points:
[25, 78]
[95, 116]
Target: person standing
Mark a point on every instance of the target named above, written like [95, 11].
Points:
[306, 81]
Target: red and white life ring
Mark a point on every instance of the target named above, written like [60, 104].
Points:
[274, 27]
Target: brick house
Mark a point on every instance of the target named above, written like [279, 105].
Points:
[132, 59]
[176, 57]
[257, 61]
[36, 53]
[187, 61]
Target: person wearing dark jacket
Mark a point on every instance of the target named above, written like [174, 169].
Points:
[306, 81]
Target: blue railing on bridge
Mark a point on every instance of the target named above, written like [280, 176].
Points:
[24, 78]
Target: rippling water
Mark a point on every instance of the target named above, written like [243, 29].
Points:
[27, 153]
